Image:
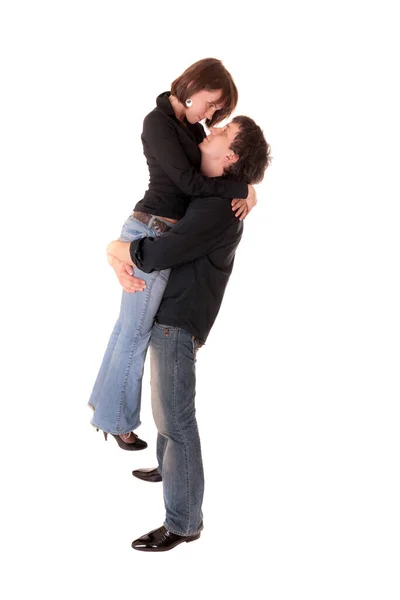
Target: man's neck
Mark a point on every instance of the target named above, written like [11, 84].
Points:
[211, 168]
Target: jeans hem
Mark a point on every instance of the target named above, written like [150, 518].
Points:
[179, 533]
[112, 431]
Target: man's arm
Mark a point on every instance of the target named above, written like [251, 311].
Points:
[120, 251]
[196, 234]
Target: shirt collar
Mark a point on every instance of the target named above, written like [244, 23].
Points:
[164, 104]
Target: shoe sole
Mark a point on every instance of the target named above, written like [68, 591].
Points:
[147, 480]
[192, 539]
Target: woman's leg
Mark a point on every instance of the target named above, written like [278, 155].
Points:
[117, 391]
[131, 230]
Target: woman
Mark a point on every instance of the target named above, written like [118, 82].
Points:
[171, 134]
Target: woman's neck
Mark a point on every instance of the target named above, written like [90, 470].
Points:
[178, 107]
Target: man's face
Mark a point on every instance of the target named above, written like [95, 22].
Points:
[217, 145]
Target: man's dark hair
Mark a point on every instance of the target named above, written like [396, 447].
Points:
[253, 151]
[208, 74]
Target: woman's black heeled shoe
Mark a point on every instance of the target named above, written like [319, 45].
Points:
[138, 444]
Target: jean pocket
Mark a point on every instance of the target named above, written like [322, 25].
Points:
[166, 330]
[133, 230]
[164, 275]
[197, 344]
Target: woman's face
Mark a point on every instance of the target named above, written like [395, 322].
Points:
[204, 105]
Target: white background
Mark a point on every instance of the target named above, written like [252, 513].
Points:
[298, 389]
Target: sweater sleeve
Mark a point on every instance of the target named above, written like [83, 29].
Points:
[194, 236]
[163, 142]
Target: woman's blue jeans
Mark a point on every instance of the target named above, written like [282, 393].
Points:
[116, 396]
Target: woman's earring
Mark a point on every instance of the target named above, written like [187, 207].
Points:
[188, 102]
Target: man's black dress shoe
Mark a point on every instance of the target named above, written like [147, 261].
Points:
[147, 474]
[161, 540]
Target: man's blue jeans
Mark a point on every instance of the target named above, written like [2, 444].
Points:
[173, 389]
[116, 396]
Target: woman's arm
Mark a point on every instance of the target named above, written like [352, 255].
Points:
[160, 135]
[243, 207]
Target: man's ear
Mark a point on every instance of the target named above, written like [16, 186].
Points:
[230, 159]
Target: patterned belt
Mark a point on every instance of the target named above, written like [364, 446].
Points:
[151, 221]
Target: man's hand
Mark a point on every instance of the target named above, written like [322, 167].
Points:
[243, 207]
[124, 272]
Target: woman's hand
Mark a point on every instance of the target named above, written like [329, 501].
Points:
[124, 273]
[243, 207]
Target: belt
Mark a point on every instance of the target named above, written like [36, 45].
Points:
[151, 221]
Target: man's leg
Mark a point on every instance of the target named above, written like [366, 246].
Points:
[161, 445]
[153, 474]
[173, 389]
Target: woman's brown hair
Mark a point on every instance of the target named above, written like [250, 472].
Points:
[208, 74]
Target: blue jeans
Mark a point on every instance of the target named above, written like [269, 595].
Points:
[173, 389]
[116, 396]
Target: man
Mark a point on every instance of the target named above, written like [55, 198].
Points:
[201, 249]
